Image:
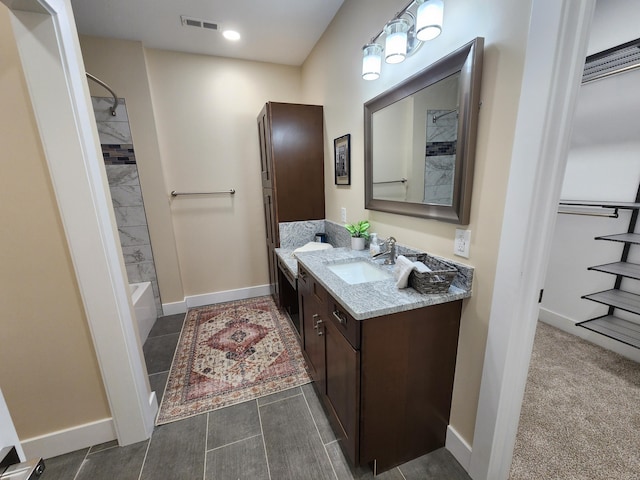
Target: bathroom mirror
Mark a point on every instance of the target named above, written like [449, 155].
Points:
[420, 140]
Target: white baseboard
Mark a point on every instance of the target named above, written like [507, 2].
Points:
[569, 325]
[68, 440]
[458, 447]
[216, 297]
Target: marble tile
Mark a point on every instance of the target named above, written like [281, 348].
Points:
[119, 175]
[141, 272]
[445, 129]
[102, 113]
[130, 216]
[296, 234]
[137, 254]
[132, 236]
[114, 132]
[126, 195]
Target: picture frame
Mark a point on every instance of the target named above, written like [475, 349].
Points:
[342, 159]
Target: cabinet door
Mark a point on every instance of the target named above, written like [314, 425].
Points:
[342, 373]
[265, 148]
[269, 217]
[312, 305]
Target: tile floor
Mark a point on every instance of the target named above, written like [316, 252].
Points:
[278, 437]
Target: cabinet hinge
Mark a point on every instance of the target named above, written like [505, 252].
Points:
[540, 297]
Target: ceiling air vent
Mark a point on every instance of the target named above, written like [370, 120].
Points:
[610, 62]
[199, 23]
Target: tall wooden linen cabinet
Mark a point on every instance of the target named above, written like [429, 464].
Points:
[292, 165]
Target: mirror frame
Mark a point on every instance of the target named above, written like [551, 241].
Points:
[468, 61]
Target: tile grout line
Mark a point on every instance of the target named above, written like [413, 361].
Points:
[144, 460]
[315, 424]
[233, 443]
[264, 443]
[206, 446]
[82, 463]
[280, 399]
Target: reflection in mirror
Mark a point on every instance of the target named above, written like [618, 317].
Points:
[420, 140]
[414, 140]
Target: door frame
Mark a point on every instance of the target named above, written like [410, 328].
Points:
[49, 50]
[556, 49]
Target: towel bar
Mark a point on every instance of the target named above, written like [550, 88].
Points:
[231, 191]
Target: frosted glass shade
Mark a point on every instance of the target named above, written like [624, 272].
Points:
[429, 19]
[371, 61]
[396, 42]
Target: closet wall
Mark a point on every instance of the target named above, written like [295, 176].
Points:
[602, 165]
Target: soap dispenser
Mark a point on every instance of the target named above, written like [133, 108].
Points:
[374, 245]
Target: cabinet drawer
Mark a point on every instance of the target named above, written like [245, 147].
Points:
[309, 284]
[287, 273]
[346, 324]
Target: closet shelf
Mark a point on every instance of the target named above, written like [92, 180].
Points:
[627, 301]
[622, 237]
[589, 203]
[615, 327]
[624, 269]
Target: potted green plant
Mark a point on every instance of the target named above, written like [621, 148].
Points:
[359, 234]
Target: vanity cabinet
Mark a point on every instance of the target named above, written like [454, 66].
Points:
[385, 382]
[292, 171]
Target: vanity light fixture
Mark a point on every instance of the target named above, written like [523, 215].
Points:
[403, 36]
[429, 19]
[371, 61]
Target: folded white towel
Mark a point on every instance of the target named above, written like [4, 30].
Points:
[311, 246]
[421, 267]
[403, 269]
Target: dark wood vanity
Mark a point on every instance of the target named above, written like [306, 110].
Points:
[385, 381]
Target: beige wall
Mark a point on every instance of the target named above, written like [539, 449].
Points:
[206, 110]
[331, 76]
[48, 368]
[193, 122]
[121, 64]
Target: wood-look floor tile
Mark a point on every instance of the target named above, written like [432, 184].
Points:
[123, 463]
[177, 450]
[326, 432]
[438, 465]
[241, 460]
[230, 424]
[158, 352]
[294, 448]
[63, 467]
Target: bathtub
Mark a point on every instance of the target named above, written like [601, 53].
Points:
[144, 306]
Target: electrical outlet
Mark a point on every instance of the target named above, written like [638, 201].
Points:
[462, 243]
[343, 214]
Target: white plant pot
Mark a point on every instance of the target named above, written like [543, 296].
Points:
[357, 243]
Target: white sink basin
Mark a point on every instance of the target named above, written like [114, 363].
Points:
[359, 271]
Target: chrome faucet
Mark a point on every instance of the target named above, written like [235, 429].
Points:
[390, 245]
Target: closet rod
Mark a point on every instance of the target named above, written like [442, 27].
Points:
[231, 191]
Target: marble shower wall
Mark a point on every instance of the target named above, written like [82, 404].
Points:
[440, 157]
[126, 195]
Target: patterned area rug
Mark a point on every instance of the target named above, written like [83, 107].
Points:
[230, 353]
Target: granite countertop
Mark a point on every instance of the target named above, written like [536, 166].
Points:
[286, 255]
[372, 299]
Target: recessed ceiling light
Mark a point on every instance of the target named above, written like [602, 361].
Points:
[231, 35]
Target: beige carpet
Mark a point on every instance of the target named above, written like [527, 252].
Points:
[581, 413]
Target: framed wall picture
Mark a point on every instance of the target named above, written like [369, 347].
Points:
[342, 152]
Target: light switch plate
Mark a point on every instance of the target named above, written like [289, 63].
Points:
[462, 243]
[343, 214]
